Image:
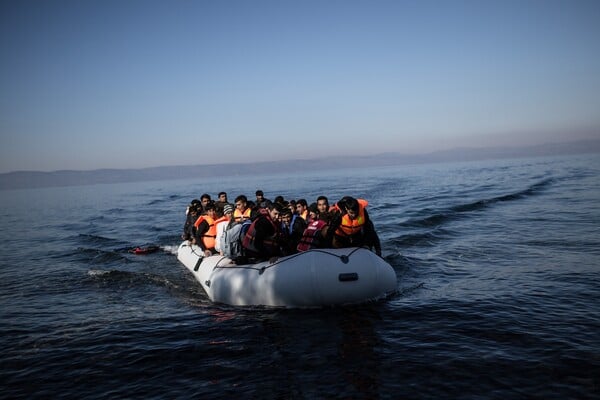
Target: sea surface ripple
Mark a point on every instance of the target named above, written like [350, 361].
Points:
[498, 266]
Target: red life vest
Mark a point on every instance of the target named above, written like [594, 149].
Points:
[309, 235]
[349, 227]
[270, 243]
[208, 238]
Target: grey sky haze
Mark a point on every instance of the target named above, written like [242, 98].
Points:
[130, 84]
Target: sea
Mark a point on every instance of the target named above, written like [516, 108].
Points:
[498, 291]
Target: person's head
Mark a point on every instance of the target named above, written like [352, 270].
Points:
[279, 199]
[228, 210]
[193, 209]
[285, 215]
[205, 199]
[210, 210]
[313, 211]
[223, 197]
[322, 204]
[241, 202]
[292, 205]
[301, 206]
[260, 196]
[349, 205]
[274, 210]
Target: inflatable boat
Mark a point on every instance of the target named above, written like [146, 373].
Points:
[314, 278]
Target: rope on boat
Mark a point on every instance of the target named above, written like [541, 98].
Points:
[201, 257]
[344, 258]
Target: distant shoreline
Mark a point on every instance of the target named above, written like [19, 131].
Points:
[39, 179]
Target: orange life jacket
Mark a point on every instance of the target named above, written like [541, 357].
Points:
[238, 216]
[223, 218]
[208, 238]
[349, 227]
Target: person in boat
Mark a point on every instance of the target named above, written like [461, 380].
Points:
[279, 199]
[221, 203]
[261, 201]
[222, 223]
[263, 239]
[315, 235]
[292, 206]
[206, 231]
[194, 203]
[352, 227]
[191, 215]
[302, 208]
[313, 211]
[292, 227]
[322, 204]
[253, 209]
[205, 200]
[242, 211]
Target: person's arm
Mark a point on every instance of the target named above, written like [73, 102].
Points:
[372, 239]
[336, 220]
[187, 229]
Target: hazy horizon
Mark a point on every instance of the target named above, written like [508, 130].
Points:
[498, 143]
[137, 84]
[455, 154]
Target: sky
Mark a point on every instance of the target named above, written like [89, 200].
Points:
[133, 84]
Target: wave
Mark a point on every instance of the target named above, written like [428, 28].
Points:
[383, 207]
[174, 236]
[455, 211]
[162, 200]
[111, 249]
[98, 218]
[426, 239]
[384, 186]
[97, 239]
[101, 256]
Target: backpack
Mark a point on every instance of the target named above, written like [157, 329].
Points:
[231, 242]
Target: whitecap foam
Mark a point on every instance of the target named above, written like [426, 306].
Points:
[170, 249]
[97, 272]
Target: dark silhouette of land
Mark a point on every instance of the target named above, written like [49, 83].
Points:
[37, 179]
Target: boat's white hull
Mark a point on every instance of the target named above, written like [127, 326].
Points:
[309, 279]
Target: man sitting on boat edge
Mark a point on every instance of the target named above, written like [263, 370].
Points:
[206, 231]
[352, 227]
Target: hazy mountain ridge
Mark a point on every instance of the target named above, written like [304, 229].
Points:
[37, 179]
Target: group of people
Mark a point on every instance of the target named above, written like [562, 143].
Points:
[249, 231]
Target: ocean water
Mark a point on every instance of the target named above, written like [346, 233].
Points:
[498, 266]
